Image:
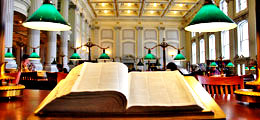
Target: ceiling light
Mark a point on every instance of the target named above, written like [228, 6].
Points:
[48, 18]
[128, 11]
[103, 4]
[175, 12]
[210, 19]
[154, 4]
[181, 5]
[129, 4]
[105, 11]
[151, 12]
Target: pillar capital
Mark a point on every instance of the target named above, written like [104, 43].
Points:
[161, 28]
[95, 27]
[117, 28]
[139, 28]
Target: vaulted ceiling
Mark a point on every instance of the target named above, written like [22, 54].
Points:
[141, 8]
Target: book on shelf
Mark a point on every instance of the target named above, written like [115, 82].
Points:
[108, 88]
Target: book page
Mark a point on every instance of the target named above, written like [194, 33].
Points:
[111, 76]
[165, 88]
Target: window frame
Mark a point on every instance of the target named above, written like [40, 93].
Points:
[202, 51]
[212, 47]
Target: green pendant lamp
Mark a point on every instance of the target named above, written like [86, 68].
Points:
[246, 68]
[104, 55]
[210, 19]
[252, 68]
[48, 18]
[149, 56]
[179, 56]
[9, 55]
[213, 64]
[54, 62]
[75, 56]
[140, 63]
[34, 55]
[230, 64]
[70, 63]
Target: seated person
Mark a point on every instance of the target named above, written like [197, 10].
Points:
[172, 66]
[214, 71]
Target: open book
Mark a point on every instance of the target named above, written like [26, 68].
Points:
[96, 88]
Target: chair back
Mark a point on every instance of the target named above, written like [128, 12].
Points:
[16, 75]
[60, 76]
[221, 85]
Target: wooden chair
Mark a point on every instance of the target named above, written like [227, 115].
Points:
[221, 85]
[29, 79]
[17, 77]
[52, 79]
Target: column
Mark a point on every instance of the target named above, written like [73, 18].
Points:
[206, 40]
[218, 44]
[82, 35]
[87, 36]
[95, 52]
[72, 20]
[9, 17]
[183, 43]
[51, 49]
[118, 43]
[252, 28]
[34, 36]
[161, 31]
[64, 35]
[232, 33]
[140, 47]
[2, 30]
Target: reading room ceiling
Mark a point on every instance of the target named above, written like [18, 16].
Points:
[141, 8]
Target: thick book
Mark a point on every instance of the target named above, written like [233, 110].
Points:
[108, 88]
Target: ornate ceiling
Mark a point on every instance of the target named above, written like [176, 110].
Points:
[141, 8]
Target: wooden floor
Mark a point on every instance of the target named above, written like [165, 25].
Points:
[22, 108]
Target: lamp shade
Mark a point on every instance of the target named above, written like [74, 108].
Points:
[213, 64]
[230, 64]
[252, 68]
[246, 68]
[140, 63]
[9, 55]
[104, 55]
[157, 63]
[75, 56]
[149, 56]
[210, 19]
[179, 56]
[34, 55]
[48, 18]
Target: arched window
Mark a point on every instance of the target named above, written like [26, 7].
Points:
[202, 51]
[212, 49]
[194, 53]
[223, 6]
[241, 5]
[225, 44]
[243, 42]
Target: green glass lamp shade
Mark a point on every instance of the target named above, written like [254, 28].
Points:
[210, 19]
[246, 68]
[104, 56]
[34, 56]
[9, 55]
[213, 64]
[179, 56]
[149, 56]
[230, 64]
[252, 68]
[75, 56]
[48, 18]
[140, 63]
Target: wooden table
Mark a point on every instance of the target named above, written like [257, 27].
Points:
[23, 107]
